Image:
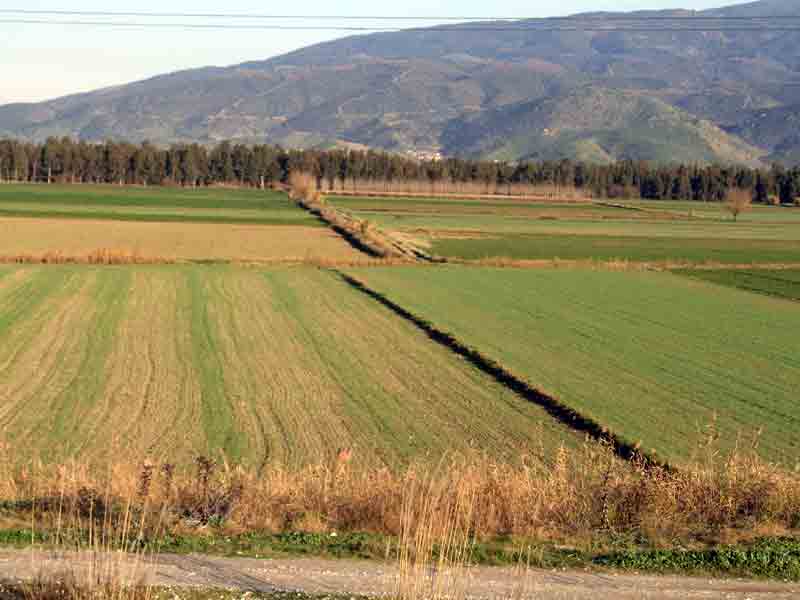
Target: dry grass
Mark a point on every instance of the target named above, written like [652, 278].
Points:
[64, 240]
[304, 189]
[738, 201]
[76, 586]
[583, 494]
[102, 538]
[436, 514]
[102, 256]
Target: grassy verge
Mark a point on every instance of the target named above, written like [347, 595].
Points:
[764, 558]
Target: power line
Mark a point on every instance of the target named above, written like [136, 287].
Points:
[585, 17]
[522, 28]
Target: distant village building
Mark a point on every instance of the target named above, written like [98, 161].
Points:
[425, 155]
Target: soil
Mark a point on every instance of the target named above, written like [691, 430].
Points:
[319, 576]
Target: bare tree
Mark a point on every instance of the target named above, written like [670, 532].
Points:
[738, 201]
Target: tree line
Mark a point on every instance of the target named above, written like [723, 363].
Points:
[68, 161]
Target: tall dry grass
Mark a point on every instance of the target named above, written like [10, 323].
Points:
[304, 189]
[99, 535]
[101, 256]
[435, 513]
[571, 495]
[738, 201]
[473, 189]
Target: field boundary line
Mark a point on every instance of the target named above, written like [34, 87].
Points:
[564, 414]
[621, 264]
[361, 236]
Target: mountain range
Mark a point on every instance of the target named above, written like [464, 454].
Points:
[668, 91]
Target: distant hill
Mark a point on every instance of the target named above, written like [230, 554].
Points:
[510, 93]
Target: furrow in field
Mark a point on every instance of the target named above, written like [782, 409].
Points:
[404, 397]
[30, 303]
[31, 379]
[278, 366]
[150, 401]
[72, 407]
[217, 414]
[284, 407]
[10, 277]
[22, 293]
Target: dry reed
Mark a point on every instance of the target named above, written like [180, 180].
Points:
[435, 513]
[304, 189]
[102, 256]
[738, 201]
[574, 494]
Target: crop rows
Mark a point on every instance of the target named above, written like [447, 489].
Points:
[278, 366]
[659, 359]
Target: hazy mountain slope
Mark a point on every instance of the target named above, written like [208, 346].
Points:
[593, 124]
[474, 92]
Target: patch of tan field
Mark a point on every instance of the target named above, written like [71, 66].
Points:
[172, 241]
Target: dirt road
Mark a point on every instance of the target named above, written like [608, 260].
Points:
[370, 578]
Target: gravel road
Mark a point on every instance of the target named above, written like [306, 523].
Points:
[373, 578]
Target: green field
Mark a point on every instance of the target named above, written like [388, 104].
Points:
[693, 232]
[608, 247]
[655, 357]
[757, 213]
[203, 205]
[282, 365]
[783, 283]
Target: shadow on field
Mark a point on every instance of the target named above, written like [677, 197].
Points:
[564, 414]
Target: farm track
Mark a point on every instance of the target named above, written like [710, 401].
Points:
[559, 411]
[358, 578]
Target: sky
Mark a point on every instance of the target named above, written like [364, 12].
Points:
[40, 62]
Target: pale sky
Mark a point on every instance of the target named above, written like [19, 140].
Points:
[39, 62]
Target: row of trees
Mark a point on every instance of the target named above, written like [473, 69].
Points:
[66, 160]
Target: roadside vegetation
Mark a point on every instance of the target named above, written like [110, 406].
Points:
[587, 508]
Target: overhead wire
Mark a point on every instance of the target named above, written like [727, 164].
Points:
[520, 28]
[695, 16]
